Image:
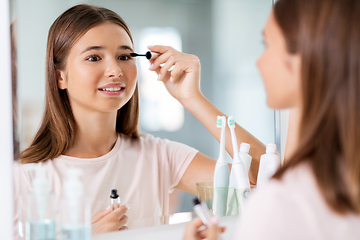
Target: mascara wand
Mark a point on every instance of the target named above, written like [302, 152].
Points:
[148, 55]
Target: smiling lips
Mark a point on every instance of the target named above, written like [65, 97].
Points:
[112, 89]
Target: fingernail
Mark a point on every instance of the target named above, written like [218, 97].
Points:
[159, 77]
[151, 66]
[127, 206]
[150, 46]
[108, 207]
[214, 220]
[171, 79]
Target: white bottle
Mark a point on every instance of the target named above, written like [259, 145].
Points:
[40, 223]
[221, 174]
[269, 164]
[244, 155]
[75, 209]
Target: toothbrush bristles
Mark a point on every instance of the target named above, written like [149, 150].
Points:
[231, 122]
[220, 122]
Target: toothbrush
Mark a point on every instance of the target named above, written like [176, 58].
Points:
[221, 174]
[239, 180]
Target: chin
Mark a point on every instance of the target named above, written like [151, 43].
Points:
[276, 104]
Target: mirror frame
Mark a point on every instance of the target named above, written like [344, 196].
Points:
[6, 136]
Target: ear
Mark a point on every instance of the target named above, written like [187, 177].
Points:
[61, 79]
[293, 63]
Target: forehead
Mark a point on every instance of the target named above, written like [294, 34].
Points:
[271, 27]
[105, 34]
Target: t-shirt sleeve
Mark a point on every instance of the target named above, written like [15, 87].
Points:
[178, 156]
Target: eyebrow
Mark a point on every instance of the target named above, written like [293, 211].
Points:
[123, 47]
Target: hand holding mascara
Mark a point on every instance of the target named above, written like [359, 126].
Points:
[211, 222]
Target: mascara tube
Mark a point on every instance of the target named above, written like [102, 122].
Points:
[114, 198]
[202, 211]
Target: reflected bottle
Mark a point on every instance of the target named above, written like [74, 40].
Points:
[75, 209]
[40, 222]
[269, 164]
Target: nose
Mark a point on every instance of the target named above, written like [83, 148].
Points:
[113, 69]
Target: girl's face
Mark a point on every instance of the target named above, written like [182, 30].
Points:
[280, 70]
[100, 75]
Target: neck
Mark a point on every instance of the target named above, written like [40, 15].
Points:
[95, 134]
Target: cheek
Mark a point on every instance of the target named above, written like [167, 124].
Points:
[131, 74]
[281, 87]
[265, 66]
[282, 92]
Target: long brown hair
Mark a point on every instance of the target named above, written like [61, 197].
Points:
[326, 33]
[57, 130]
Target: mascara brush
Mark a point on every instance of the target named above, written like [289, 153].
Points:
[148, 55]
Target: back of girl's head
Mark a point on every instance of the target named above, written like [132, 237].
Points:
[58, 126]
[326, 34]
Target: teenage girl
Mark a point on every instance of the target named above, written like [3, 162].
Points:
[91, 122]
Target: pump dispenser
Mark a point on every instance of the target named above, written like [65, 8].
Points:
[75, 213]
[40, 222]
[244, 155]
[269, 164]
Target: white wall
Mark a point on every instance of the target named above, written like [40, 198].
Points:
[238, 88]
[6, 147]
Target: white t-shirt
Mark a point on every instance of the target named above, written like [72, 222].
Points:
[294, 208]
[142, 170]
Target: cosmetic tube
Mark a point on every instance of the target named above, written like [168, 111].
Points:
[202, 211]
[269, 164]
[114, 198]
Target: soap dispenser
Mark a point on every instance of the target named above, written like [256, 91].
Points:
[40, 223]
[75, 209]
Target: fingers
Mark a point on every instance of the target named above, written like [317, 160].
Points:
[113, 221]
[123, 221]
[159, 49]
[213, 229]
[119, 212]
[173, 61]
[163, 58]
[194, 224]
[174, 73]
[100, 215]
[191, 230]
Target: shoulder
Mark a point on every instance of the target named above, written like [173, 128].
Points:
[24, 173]
[286, 202]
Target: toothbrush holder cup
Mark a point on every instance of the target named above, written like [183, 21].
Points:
[233, 199]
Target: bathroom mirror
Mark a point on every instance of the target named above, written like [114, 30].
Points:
[224, 34]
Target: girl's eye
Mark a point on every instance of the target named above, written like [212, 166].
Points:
[124, 57]
[264, 43]
[93, 58]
